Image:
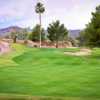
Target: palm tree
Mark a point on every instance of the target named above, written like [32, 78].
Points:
[40, 9]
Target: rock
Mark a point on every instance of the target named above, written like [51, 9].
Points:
[32, 44]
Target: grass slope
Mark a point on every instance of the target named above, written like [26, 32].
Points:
[48, 72]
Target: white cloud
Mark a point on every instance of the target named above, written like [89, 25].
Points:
[73, 13]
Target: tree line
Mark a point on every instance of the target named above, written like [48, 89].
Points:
[90, 36]
[56, 31]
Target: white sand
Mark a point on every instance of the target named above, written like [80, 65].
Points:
[82, 52]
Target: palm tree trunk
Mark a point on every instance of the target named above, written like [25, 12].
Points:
[40, 28]
[56, 43]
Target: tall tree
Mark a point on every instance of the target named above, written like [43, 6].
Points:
[91, 33]
[40, 9]
[57, 32]
[35, 35]
[14, 36]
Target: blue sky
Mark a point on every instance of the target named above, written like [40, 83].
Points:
[73, 13]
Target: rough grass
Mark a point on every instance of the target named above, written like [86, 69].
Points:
[25, 97]
[48, 72]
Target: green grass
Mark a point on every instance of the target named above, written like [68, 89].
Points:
[48, 72]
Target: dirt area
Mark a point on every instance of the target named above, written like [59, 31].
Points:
[82, 52]
[4, 47]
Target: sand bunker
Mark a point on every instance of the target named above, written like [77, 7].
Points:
[82, 52]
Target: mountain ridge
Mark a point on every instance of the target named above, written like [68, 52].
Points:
[73, 33]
